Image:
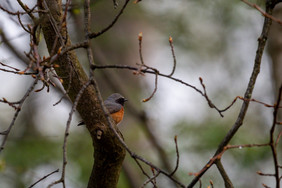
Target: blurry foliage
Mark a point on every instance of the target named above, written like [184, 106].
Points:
[200, 27]
[26, 152]
[203, 136]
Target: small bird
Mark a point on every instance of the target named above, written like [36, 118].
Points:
[115, 105]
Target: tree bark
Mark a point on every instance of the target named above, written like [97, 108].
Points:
[108, 151]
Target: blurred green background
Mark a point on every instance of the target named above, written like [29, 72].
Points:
[215, 40]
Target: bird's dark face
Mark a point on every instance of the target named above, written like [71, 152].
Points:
[121, 100]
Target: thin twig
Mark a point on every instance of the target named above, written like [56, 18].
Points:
[254, 100]
[264, 174]
[272, 143]
[17, 72]
[173, 56]
[73, 109]
[93, 67]
[44, 177]
[22, 25]
[155, 89]
[211, 105]
[10, 12]
[7, 131]
[27, 10]
[140, 37]
[65, 50]
[150, 180]
[94, 35]
[144, 172]
[278, 138]
[227, 181]
[177, 156]
[4, 65]
[265, 186]
[265, 14]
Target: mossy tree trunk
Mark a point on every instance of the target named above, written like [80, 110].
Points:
[109, 153]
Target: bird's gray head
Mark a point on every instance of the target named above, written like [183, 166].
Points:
[116, 97]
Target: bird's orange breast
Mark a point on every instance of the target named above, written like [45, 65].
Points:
[118, 116]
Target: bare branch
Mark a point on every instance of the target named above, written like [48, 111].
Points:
[173, 56]
[263, 174]
[227, 182]
[254, 100]
[211, 105]
[150, 180]
[155, 89]
[27, 10]
[272, 143]
[94, 35]
[265, 14]
[265, 186]
[44, 177]
[140, 37]
[7, 132]
[144, 172]
[177, 156]
[248, 94]
[73, 109]
[278, 138]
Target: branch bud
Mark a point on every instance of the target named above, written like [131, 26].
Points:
[140, 36]
[170, 39]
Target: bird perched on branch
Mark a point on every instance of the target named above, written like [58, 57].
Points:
[115, 105]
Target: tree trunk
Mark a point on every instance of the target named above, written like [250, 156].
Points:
[109, 153]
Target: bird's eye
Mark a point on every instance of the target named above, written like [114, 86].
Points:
[121, 101]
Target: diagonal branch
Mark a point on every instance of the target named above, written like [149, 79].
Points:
[94, 35]
[44, 177]
[18, 109]
[248, 94]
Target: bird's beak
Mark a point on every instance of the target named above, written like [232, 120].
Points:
[125, 99]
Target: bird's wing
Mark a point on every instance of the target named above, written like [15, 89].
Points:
[112, 107]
